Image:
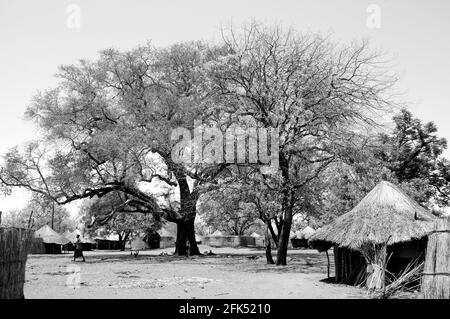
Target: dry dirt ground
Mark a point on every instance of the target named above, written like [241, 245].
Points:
[231, 273]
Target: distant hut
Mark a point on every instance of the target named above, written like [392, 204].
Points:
[259, 240]
[307, 232]
[168, 235]
[109, 242]
[301, 237]
[385, 223]
[69, 246]
[217, 233]
[152, 239]
[139, 243]
[67, 234]
[52, 240]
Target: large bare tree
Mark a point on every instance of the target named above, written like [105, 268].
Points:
[317, 94]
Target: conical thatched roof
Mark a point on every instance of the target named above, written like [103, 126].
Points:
[306, 232]
[385, 214]
[49, 236]
[164, 232]
[67, 234]
[168, 230]
[217, 233]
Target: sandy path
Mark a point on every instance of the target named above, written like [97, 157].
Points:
[232, 273]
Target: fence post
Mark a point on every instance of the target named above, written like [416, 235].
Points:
[436, 274]
[14, 247]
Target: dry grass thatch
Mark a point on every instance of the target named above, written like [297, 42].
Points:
[436, 275]
[49, 236]
[386, 215]
[408, 281]
[14, 247]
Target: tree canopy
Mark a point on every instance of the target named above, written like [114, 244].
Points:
[108, 134]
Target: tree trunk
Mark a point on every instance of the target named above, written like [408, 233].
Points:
[283, 239]
[185, 238]
[328, 264]
[283, 235]
[268, 246]
[53, 214]
[274, 236]
[122, 242]
[185, 224]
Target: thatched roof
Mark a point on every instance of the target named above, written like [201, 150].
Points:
[385, 215]
[164, 232]
[67, 234]
[305, 233]
[49, 236]
[217, 233]
[169, 229]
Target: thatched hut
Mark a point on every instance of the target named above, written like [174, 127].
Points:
[301, 237]
[259, 240]
[52, 240]
[109, 242]
[167, 235]
[386, 228]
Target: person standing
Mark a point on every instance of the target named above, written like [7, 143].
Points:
[78, 249]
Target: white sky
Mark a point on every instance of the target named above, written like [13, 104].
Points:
[35, 39]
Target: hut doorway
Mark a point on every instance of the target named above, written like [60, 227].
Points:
[402, 254]
[350, 266]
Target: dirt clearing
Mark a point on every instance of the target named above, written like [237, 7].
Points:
[231, 273]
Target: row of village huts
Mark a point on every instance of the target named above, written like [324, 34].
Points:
[48, 241]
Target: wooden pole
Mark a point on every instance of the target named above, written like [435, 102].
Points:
[29, 219]
[53, 214]
[383, 277]
[328, 264]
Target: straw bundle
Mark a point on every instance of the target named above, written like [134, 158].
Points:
[375, 256]
[436, 275]
[407, 281]
[14, 247]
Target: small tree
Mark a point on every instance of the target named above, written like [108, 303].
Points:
[228, 210]
[99, 220]
[39, 212]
